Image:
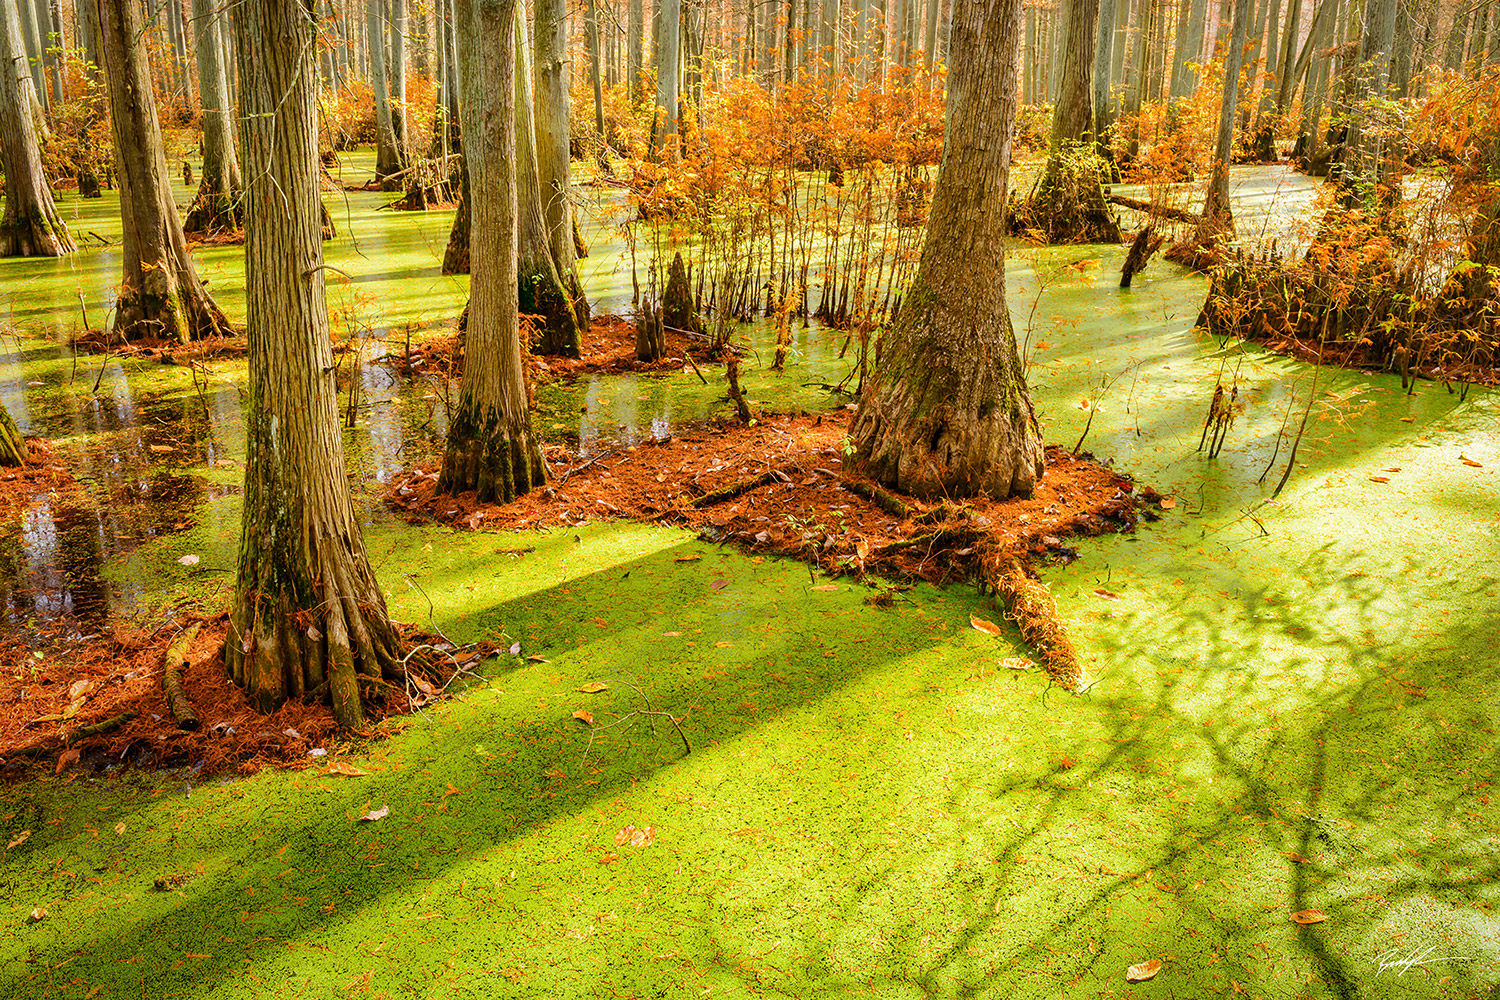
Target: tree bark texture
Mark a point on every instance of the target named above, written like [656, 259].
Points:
[1068, 204]
[542, 291]
[31, 225]
[309, 618]
[160, 294]
[492, 448]
[217, 205]
[665, 122]
[553, 138]
[390, 157]
[1216, 211]
[946, 411]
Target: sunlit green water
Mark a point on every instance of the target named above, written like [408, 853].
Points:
[873, 804]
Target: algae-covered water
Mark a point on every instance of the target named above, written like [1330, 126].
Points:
[1291, 705]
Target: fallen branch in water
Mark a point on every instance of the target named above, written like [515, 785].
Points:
[171, 680]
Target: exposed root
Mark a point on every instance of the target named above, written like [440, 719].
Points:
[1028, 603]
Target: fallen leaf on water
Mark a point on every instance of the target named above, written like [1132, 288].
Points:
[643, 838]
[987, 627]
[1107, 595]
[375, 815]
[1395, 468]
[1407, 420]
[673, 634]
[584, 716]
[1016, 663]
[1305, 917]
[1470, 462]
[1144, 971]
[719, 583]
[120, 829]
[687, 558]
[65, 758]
[609, 858]
[827, 587]
[188, 560]
[21, 838]
[162, 449]
[1296, 858]
[722, 644]
[1167, 503]
[1380, 479]
[348, 770]
[533, 658]
[593, 687]
[37, 916]
[515, 649]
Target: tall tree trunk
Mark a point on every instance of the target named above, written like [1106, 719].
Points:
[491, 446]
[398, 76]
[664, 124]
[594, 70]
[160, 294]
[946, 411]
[309, 617]
[553, 137]
[31, 225]
[390, 155]
[635, 32]
[1218, 219]
[1265, 134]
[1068, 205]
[541, 286]
[1364, 147]
[217, 206]
[1103, 60]
[32, 48]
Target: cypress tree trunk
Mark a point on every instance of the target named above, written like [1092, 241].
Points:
[669, 13]
[1068, 205]
[540, 282]
[390, 156]
[491, 447]
[1103, 60]
[594, 70]
[31, 226]
[217, 206]
[553, 138]
[32, 48]
[1265, 137]
[633, 43]
[398, 76]
[1364, 148]
[309, 617]
[1218, 219]
[160, 294]
[946, 411]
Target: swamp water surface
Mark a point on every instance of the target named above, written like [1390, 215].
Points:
[1291, 705]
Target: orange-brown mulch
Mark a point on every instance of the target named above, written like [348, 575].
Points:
[43, 472]
[165, 351]
[607, 347]
[121, 672]
[803, 506]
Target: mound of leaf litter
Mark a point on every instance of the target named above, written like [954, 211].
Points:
[780, 487]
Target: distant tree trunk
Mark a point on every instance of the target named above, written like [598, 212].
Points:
[635, 60]
[1218, 219]
[1104, 44]
[665, 123]
[594, 70]
[32, 48]
[1365, 147]
[491, 446]
[308, 617]
[946, 411]
[1180, 50]
[553, 135]
[1265, 131]
[542, 291]
[390, 155]
[160, 294]
[217, 206]
[1068, 205]
[1291, 65]
[31, 225]
[398, 76]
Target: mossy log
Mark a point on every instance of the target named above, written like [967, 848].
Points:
[738, 489]
[1029, 605]
[171, 679]
[99, 728]
[1146, 243]
[888, 502]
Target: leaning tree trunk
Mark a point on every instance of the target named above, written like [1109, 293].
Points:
[216, 209]
[492, 448]
[309, 617]
[543, 293]
[160, 294]
[1068, 205]
[946, 411]
[31, 225]
[553, 134]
